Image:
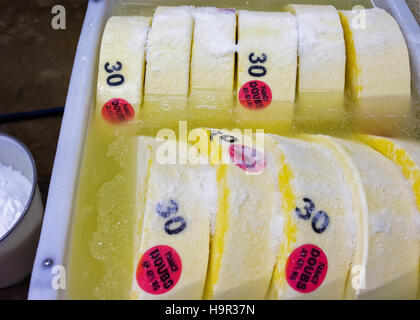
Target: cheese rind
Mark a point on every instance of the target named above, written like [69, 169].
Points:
[322, 60]
[168, 51]
[188, 190]
[392, 268]
[312, 183]
[378, 68]
[122, 59]
[243, 247]
[267, 52]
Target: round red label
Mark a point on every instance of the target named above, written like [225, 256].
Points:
[246, 158]
[117, 110]
[306, 268]
[159, 270]
[255, 95]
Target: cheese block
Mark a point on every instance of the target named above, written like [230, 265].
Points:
[212, 67]
[121, 64]
[406, 155]
[392, 268]
[213, 49]
[355, 281]
[319, 233]
[168, 51]
[378, 69]
[168, 66]
[267, 67]
[245, 239]
[172, 248]
[322, 61]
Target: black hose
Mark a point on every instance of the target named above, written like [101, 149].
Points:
[27, 115]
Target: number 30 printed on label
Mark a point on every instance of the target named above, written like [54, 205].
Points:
[257, 70]
[114, 79]
[174, 224]
[320, 221]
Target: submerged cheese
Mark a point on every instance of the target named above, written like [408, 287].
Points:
[212, 67]
[322, 60]
[267, 66]
[121, 61]
[392, 266]
[177, 206]
[320, 226]
[243, 246]
[166, 84]
[378, 69]
[406, 155]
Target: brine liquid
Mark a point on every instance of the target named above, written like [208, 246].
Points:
[100, 261]
[100, 251]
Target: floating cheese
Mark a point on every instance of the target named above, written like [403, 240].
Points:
[319, 234]
[168, 66]
[212, 67]
[406, 155]
[322, 61]
[121, 65]
[360, 210]
[243, 246]
[378, 69]
[267, 64]
[392, 267]
[172, 253]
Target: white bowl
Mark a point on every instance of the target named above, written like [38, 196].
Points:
[18, 245]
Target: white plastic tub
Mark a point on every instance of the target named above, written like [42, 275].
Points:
[80, 100]
[18, 244]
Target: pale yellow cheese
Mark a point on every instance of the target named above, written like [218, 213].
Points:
[168, 51]
[311, 171]
[378, 69]
[243, 246]
[267, 52]
[213, 50]
[322, 60]
[212, 67]
[360, 211]
[406, 155]
[121, 61]
[190, 192]
[392, 268]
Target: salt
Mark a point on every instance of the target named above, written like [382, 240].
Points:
[15, 190]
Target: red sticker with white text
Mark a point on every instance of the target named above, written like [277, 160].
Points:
[246, 158]
[117, 110]
[306, 268]
[159, 269]
[255, 95]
